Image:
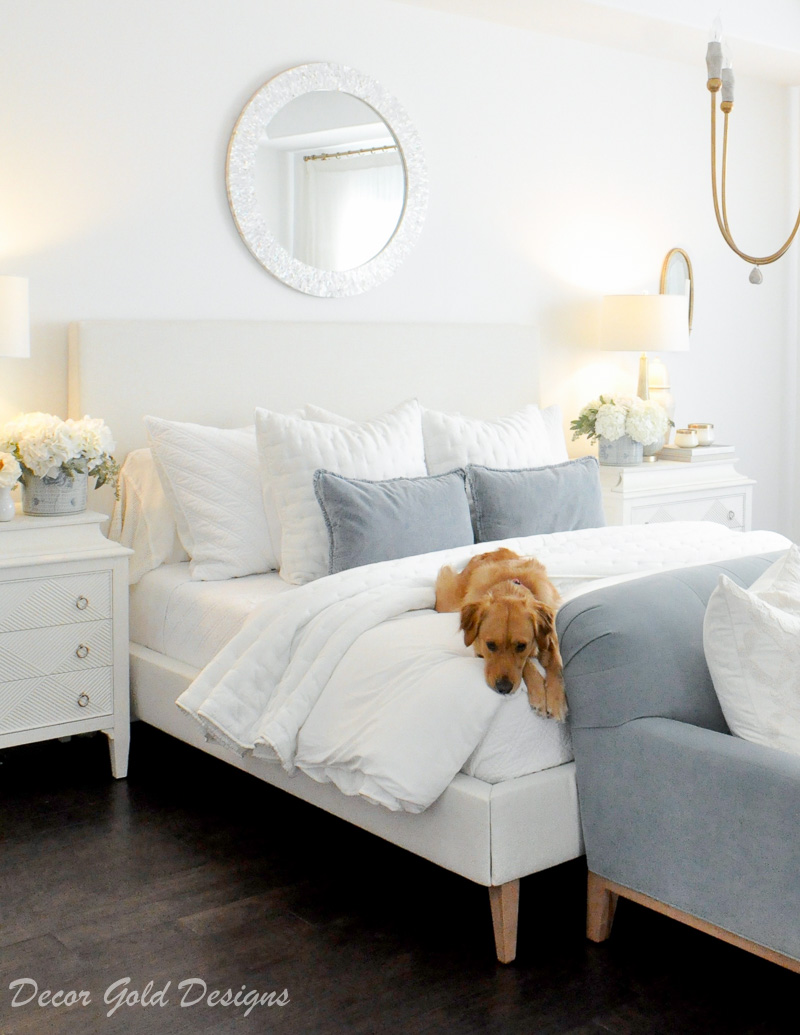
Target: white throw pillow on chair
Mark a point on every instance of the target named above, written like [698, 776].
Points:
[752, 645]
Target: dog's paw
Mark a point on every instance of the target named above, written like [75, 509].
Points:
[558, 712]
[534, 684]
[556, 700]
[539, 708]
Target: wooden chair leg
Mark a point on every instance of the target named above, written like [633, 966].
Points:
[600, 905]
[504, 900]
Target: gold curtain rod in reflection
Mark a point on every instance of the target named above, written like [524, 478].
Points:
[348, 154]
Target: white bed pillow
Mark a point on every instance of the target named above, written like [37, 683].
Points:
[210, 477]
[291, 449]
[142, 518]
[529, 438]
[308, 412]
[554, 426]
[752, 645]
[319, 413]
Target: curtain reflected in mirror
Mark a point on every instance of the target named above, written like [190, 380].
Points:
[330, 180]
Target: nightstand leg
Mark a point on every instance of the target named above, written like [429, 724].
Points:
[118, 743]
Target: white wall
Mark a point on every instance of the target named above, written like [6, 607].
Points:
[559, 170]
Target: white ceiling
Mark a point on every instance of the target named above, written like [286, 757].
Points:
[764, 38]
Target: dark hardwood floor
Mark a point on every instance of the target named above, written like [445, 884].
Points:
[190, 869]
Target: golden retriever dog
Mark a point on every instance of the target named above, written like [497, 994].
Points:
[508, 607]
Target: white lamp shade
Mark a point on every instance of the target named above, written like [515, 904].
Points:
[645, 323]
[15, 334]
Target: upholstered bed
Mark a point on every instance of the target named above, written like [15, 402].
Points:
[215, 641]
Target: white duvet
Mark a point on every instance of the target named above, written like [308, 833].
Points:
[354, 679]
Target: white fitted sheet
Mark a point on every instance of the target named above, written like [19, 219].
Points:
[191, 621]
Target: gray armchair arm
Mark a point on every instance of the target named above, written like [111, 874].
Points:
[697, 819]
[636, 649]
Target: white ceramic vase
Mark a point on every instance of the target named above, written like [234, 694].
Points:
[622, 452]
[6, 505]
[64, 494]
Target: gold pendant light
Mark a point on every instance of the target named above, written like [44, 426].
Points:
[720, 80]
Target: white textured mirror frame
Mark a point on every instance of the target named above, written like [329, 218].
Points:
[241, 184]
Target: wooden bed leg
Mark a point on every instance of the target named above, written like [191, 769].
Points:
[504, 899]
[600, 905]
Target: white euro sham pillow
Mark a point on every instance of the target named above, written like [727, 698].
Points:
[319, 413]
[554, 426]
[528, 438]
[211, 479]
[143, 519]
[291, 449]
[752, 645]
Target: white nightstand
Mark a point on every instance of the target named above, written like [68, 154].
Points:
[63, 632]
[672, 490]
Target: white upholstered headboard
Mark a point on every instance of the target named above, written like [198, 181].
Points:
[217, 371]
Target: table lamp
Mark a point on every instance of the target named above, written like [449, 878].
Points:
[645, 323]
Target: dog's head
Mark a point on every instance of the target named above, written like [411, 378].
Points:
[506, 627]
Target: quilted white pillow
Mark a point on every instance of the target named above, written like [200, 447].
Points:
[529, 438]
[752, 645]
[210, 477]
[291, 449]
[308, 412]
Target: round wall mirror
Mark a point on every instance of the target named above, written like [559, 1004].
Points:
[677, 277]
[326, 180]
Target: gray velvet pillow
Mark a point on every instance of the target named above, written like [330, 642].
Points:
[558, 498]
[372, 521]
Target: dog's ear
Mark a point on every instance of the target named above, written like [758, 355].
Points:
[544, 625]
[471, 617]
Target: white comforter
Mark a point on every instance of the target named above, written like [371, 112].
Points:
[337, 679]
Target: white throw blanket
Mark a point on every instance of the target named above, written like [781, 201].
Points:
[317, 679]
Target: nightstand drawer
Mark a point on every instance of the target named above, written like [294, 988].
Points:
[59, 600]
[726, 510]
[29, 653]
[28, 704]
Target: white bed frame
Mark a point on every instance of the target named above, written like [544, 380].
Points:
[216, 372]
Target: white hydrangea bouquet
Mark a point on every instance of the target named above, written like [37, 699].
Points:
[643, 420]
[45, 446]
[10, 470]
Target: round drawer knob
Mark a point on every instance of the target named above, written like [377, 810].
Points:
[82, 650]
[82, 603]
[83, 700]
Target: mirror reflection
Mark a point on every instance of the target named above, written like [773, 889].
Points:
[677, 277]
[330, 180]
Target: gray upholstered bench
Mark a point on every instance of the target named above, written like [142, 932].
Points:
[677, 814]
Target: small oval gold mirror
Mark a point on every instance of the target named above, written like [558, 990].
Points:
[677, 277]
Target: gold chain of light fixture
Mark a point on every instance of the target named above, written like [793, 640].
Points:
[721, 212]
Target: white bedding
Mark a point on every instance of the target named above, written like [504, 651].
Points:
[298, 682]
[191, 621]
